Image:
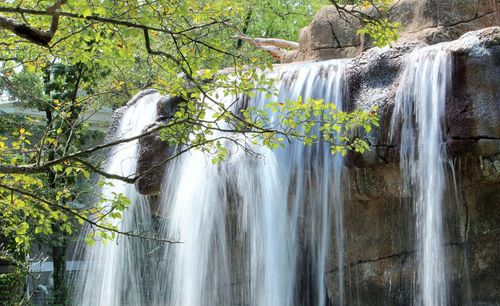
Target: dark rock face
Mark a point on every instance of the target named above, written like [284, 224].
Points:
[154, 152]
[380, 263]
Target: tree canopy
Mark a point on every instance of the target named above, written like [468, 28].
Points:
[71, 58]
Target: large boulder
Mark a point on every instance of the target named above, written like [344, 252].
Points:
[333, 34]
[443, 20]
[330, 35]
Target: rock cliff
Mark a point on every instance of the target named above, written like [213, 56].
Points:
[380, 259]
[333, 34]
[379, 218]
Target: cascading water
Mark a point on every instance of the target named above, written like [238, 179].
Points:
[255, 229]
[114, 273]
[419, 108]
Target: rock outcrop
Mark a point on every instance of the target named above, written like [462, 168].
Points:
[379, 217]
[154, 153]
[330, 35]
[333, 33]
[438, 21]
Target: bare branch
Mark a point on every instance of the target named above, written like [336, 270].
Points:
[274, 46]
[276, 42]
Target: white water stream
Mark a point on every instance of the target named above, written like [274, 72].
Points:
[240, 221]
[254, 229]
[114, 274]
[420, 105]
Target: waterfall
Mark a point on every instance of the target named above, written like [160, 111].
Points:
[255, 228]
[419, 108]
[114, 273]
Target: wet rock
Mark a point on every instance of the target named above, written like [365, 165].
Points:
[154, 152]
[167, 106]
[473, 112]
[472, 122]
[150, 164]
[380, 257]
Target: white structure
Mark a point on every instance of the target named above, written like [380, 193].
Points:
[97, 119]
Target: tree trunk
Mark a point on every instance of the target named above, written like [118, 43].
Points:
[60, 291]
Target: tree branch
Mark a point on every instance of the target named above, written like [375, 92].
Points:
[84, 218]
[43, 38]
[30, 33]
[274, 46]
[275, 42]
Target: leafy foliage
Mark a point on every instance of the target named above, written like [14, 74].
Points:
[102, 52]
[375, 17]
[11, 283]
